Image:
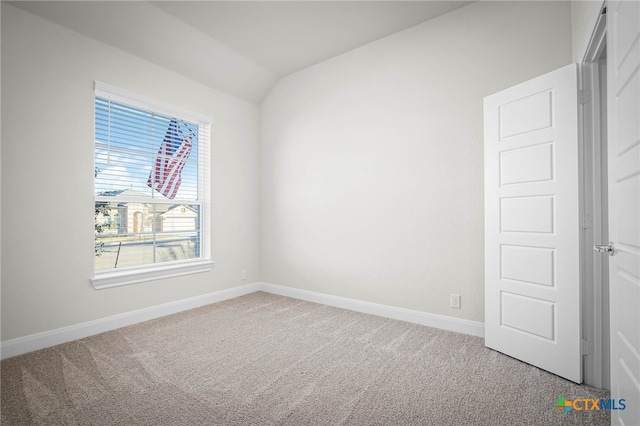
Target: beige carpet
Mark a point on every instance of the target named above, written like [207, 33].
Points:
[263, 359]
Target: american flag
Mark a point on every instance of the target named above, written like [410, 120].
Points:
[172, 156]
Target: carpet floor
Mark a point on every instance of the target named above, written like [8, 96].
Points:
[263, 359]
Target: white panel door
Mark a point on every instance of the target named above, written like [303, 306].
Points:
[623, 62]
[532, 288]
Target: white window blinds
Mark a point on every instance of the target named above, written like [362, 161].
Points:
[151, 187]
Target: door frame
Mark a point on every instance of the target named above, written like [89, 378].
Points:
[594, 221]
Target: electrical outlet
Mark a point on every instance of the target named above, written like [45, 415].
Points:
[243, 274]
[454, 301]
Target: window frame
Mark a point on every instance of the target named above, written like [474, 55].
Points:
[153, 271]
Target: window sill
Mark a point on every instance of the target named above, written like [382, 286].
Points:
[130, 276]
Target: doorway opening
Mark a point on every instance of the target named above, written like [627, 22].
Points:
[595, 271]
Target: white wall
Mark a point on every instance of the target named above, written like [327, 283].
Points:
[372, 162]
[47, 177]
[584, 14]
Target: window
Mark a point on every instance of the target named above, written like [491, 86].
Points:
[151, 189]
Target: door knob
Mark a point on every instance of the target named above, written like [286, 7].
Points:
[608, 248]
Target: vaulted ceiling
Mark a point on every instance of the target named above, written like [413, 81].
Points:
[240, 47]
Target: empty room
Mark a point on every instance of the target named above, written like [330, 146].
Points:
[320, 212]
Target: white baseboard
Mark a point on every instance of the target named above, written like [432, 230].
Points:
[458, 325]
[46, 339]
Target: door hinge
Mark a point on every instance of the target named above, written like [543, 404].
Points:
[586, 347]
[586, 222]
[584, 96]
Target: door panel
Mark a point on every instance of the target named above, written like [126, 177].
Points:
[528, 164]
[526, 115]
[533, 265]
[532, 290]
[527, 314]
[527, 214]
[623, 43]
